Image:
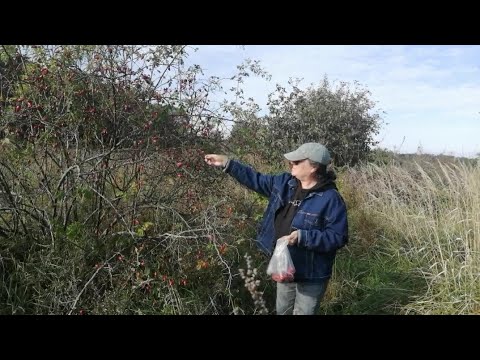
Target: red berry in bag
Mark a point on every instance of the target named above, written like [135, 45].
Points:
[284, 276]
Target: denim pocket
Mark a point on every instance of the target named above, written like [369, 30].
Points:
[309, 220]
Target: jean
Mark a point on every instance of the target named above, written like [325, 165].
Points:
[299, 298]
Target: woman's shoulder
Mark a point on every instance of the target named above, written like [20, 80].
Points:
[334, 195]
[284, 178]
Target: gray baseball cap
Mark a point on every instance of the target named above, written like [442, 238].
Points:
[313, 151]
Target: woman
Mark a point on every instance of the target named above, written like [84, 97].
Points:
[305, 206]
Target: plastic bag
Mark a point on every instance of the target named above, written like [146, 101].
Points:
[281, 265]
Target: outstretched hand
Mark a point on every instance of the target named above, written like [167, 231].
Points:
[216, 160]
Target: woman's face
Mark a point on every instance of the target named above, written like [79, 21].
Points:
[302, 169]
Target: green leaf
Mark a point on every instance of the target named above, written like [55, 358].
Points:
[75, 231]
[147, 225]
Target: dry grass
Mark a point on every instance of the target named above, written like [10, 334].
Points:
[430, 218]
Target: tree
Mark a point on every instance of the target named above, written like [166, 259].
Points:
[342, 118]
[101, 167]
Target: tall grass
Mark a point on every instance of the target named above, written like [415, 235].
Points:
[427, 219]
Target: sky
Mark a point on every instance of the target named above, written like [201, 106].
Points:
[430, 94]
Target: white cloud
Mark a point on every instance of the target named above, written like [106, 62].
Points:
[430, 93]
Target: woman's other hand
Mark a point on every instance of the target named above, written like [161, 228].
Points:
[216, 160]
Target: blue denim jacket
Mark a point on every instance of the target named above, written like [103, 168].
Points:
[321, 221]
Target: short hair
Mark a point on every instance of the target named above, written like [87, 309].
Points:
[323, 171]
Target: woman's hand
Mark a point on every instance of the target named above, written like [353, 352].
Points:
[216, 160]
[292, 238]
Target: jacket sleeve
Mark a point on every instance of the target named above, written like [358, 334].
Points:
[245, 175]
[335, 233]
